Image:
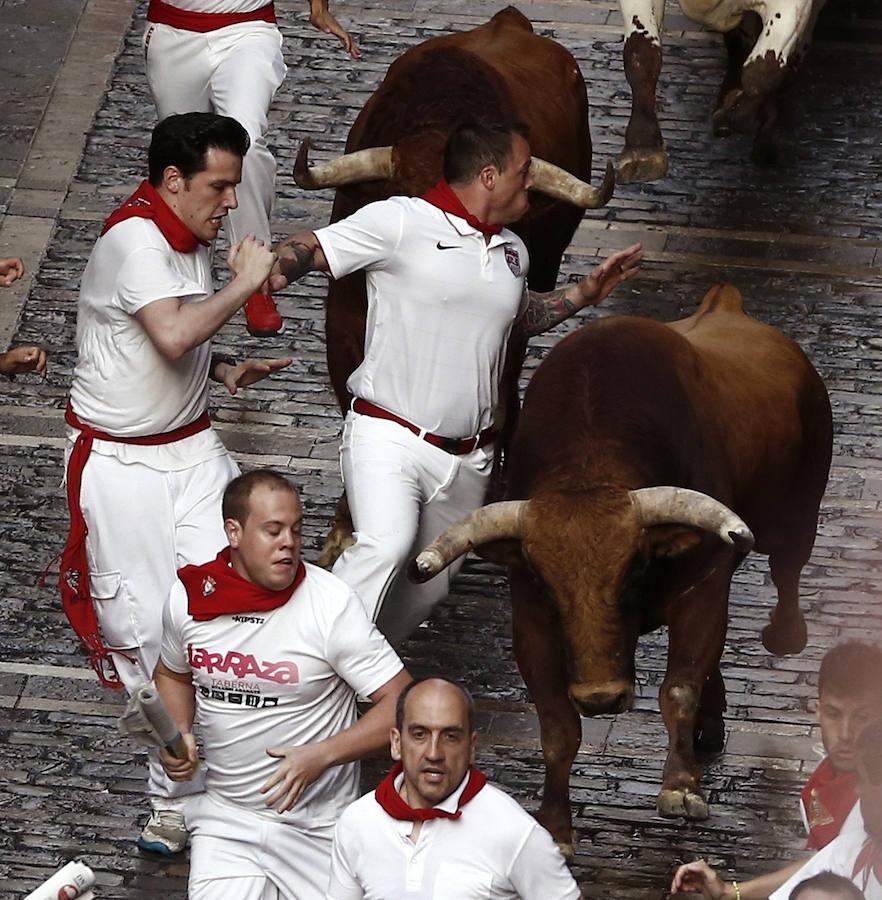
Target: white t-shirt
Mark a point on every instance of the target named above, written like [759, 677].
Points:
[495, 850]
[121, 383]
[441, 306]
[838, 857]
[279, 678]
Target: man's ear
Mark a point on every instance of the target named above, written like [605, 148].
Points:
[474, 742]
[395, 744]
[172, 179]
[488, 177]
[234, 532]
[668, 541]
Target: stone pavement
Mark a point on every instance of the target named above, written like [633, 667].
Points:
[804, 244]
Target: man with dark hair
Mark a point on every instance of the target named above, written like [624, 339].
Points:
[849, 698]
[826, 886]
[446, 283]
[145, 470]
[272, 652]
[225, 56]
[474, 144]
[856, 853]
[434, 827]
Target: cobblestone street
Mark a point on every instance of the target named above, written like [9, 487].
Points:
[803, 243]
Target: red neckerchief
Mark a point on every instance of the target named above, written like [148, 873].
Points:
[217, 589]
[444, 197]
[397, 807]
[827, 799]
[146, 203]
[868, 860]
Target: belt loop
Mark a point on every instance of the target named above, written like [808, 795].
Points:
[476, 439]
[421, 434]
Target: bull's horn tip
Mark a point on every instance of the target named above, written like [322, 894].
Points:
[421, 569]
[741, 537]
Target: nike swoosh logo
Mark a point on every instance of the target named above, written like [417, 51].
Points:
[440, 246]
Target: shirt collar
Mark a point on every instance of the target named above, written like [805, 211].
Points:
[451, 804]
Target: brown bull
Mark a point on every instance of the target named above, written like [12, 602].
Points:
[395, 147]
[636, 443]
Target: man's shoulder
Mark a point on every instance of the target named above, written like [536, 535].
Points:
[135, 233]
[320, 579]
[363, 810]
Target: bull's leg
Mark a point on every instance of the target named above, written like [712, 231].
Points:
[785, 24]
[710, 731]
[644, 157]
[786, 632]
[739, 42]
[539, 650]
[697, 632]
[339, 537]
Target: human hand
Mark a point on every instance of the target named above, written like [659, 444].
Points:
[615, 269]
[250, 371]
[252, 260]
[322, 18]
[699, 878]
[299, 768]
[181, 769]
[11, 269]
[23, 359]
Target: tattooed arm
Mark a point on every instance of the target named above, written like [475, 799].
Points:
[544, 311]
[298, 255]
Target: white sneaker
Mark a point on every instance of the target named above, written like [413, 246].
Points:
[164, 833]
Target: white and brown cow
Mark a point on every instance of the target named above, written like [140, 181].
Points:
[764, 39]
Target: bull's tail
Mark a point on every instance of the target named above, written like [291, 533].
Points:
[512, 16]
[723, 298]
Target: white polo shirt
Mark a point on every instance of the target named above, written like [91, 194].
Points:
[218, 6]
[838, 857]
[441, 306]
[279, 678]
[494, 851]
[121, 383]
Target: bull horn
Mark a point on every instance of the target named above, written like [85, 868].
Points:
[562, 185]
[374, 164]
[494, 522]
[672, 505]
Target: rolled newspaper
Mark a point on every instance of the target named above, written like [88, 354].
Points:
[159, 718]
[72, 882]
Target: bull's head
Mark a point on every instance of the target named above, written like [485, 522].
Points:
[588, 548]
[379, 164]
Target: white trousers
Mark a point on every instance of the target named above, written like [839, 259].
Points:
[234, 71]
[402, 492]
[144, 524]
[238, 854]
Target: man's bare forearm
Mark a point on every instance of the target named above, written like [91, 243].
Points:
[299, 255]
[544, 311]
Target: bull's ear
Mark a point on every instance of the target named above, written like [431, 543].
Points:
[504, 553]
[668, 541]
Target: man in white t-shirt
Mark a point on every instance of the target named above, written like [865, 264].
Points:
[271, 651]
[434, 827]
[445, 287]
[857, 852]
[225, 56]
[145, 470]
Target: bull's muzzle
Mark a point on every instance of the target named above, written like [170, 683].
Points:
[609, 697]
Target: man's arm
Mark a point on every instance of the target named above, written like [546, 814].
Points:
[233, 375]
[175, 327]
[699, 878]
[179, 697]
[301, 766]
[23, 359]
[297, 255]
[321, 17]
[544, 311]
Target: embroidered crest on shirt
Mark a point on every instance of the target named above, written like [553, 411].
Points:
[512, 257]
[208, 586]
[818, 813]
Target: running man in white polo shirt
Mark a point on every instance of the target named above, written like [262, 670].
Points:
[145, 470]
[445, 287]
[434, 827]
[225, 56]
[271, 651]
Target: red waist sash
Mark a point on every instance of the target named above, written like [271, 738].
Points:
[162, 13]
[73, 577]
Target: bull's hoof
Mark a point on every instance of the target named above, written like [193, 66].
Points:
[710, 736]
[567, 851]
[640, 165]
[682, 803]
[783, 638]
